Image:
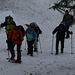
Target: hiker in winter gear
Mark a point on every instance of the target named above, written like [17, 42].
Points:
[16, 38]
[60, 36]
[31, 37]
[8, 24]
[38, 31]
[67, 19]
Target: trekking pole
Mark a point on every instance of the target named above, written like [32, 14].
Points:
[0, 27]
[71, 45]
[25, 45]
[52, 44]
[40, 45]
[37, 48]
[8, 56]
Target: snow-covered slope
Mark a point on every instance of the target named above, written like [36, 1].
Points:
[27, 11]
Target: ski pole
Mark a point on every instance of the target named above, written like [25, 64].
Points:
[40, 45]
[52, 44]
[71, 46]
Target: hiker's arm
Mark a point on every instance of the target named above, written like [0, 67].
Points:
[3, 24]
[55, 30]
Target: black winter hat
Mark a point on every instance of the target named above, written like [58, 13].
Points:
[67, 11]
[10, 17]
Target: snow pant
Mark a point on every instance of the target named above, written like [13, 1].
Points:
[57, 45]
[30, 47]
[12, 45]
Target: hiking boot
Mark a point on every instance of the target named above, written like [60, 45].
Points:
[17, 61]
[31, 54]
[61, 52]
[11, 59]
[56, 53]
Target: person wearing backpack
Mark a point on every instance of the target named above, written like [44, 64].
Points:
[38, 31]
[8, 24]
[60, 36]
[15, 37]
[31, 37]
[67, 19]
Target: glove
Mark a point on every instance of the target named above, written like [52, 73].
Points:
[71, 32]
[8, 40]
[67, 37]
[52, 33]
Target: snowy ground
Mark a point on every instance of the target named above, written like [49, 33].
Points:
[45, 63]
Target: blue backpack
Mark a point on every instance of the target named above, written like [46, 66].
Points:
[30, 34]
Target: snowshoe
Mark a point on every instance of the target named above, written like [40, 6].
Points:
[11, 60]
[18, 61]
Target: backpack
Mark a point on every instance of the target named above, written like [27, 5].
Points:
[30, 30]
[72, 18]
[30, 34]
[20, 27]
[35, 27]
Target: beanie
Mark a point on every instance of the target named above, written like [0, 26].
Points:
[67, 11]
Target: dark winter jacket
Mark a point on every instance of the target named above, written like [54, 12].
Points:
[67, 20]
[61, 29]
[60, 32]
